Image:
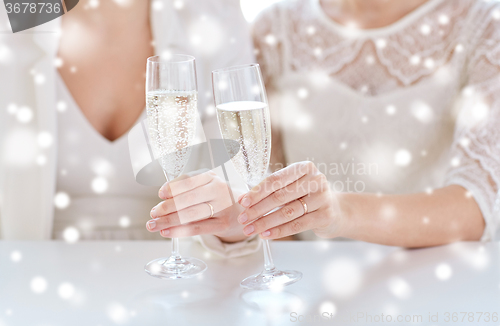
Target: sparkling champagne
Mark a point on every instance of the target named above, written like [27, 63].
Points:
[248, 123]
[171, 123]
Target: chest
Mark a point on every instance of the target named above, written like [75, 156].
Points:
[104, 70]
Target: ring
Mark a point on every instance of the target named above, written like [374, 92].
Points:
[303, 204]
[211, 210]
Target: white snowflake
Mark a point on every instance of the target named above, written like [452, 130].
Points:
[123, 3]
[270, 39]
[390, 110]
[93, 4]
[425, 29]
[328, 307]
[124, 221]
[38, 284]
[402, 157]
[71, 234]
[210, 110]
[16, 256]
[318, 51]
[345, 269]
[62, 200]
[400, 288]
[12, 108]
[429, 63]
[61, 106]
[44, 139]
[58, 62]
[5, 54]
[415, 60]
[66, 290]
[178, 4]
[443, 271]
[444, 19]
[496, 14]
[302, 93]
[99, 185]
[381, 43]
[41, 160]
[422, 112]
[117, 313]
[370, 59]
[465, 142]
[24, 114]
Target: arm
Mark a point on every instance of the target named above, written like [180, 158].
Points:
[416, 220]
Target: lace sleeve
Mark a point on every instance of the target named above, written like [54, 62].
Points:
[268, 39]
[476, 148]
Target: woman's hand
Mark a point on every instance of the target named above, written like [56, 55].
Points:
[281, 191]
[185, 212]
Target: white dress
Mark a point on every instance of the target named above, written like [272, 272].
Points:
[400, 109]
[95, 174]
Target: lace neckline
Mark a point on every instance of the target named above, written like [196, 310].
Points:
[374, 32]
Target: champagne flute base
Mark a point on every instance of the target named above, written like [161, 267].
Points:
[175, 268]
[271, 280]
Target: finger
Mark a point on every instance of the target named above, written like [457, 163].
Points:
[306, 222]
[164, 208]
[285, 214]
[185, 183]
[195, 213]
[213, 192]
[280, 197]
[165, 192]
[196, 196]
[185, 216]
[209, 226]
[276, 181]
[157, 224]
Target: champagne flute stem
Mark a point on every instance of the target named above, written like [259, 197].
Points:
[175, 241]
[268, 258]
[175, 249]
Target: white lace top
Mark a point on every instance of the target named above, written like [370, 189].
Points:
[404, 108]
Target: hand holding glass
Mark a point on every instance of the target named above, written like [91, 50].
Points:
[171, 99]
[243, 115]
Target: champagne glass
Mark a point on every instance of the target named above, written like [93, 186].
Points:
[171, 100]
[243, 115]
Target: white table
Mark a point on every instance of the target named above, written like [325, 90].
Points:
[104, 284]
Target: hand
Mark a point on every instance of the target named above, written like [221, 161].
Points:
[185, 212]
[281, 191]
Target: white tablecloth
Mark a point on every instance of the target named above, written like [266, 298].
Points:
[344, 283]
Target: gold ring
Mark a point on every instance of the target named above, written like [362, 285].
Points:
[303, 205]
[211, 210]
